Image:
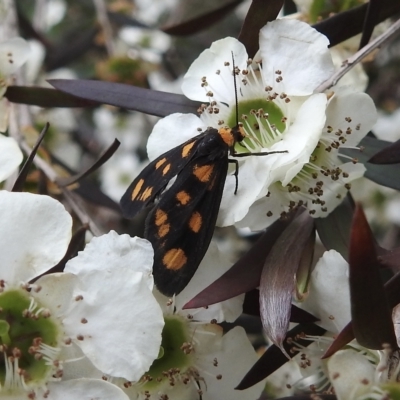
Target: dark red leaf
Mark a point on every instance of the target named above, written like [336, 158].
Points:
[334, 230]
[392, 290]
[251, 306]
[202, 21]
[369, 306]
[148, 101]
[389, 155]
[20, 181]
[278, 277]
[273, 358]
[260, 12]
[43, 97]
[347, 24]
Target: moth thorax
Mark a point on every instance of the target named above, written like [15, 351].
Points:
[232, 135]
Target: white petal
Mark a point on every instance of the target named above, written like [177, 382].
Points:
[299, 52]
[115, 251]
[359, 107]
[214, 265]
[235, 357]
[351, 374]
[85, 389]
[207, 64]
[257, 219]
[253, 177]
[172, 131]
[10, 156]
[123, 322]
[13, 54]
[56, 291]
[300, 140]
[35, 232]
[329, 295]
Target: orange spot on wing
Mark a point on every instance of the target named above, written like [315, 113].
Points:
[174, 259]
[166, 169]
[186, 149]
[137, 189]
[160, 162]
[146, 194]
[183, 197]
[195, 222]
[163, 230]
[203, 173]
[161, 217]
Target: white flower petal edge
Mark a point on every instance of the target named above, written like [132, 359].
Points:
[115, 251]
[172, 131]
[300, 53]
[85, 389]
[39, 239]
[329, 294]
[121, 332]
[235, 357]
[214, 265]
[211, 60]
[13, 54]
[123, 321]
[351, 374]
[10, 156]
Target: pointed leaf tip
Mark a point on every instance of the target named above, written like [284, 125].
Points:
[369, 305]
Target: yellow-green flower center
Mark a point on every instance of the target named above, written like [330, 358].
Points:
[176, 355]
[24, 331]
[262, 120]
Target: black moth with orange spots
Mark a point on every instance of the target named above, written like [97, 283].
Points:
[181, 224]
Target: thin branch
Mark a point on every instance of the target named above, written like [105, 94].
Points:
[102, 17]
[360, 55]
[50, 173]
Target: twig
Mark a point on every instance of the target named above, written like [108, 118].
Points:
[102, 17]
[357, 57]
[50, 173]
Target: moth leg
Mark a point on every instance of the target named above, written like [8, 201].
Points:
[235, 173]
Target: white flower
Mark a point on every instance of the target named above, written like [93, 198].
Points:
[328, 296]
[110, 314]
[196, 357]
[13, 54]
[280, 112]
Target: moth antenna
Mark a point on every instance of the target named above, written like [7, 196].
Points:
[235, 87]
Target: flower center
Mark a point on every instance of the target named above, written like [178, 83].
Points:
[263, 122]
[176, 355]
[28, 341]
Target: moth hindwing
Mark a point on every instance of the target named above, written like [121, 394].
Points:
[181, 224]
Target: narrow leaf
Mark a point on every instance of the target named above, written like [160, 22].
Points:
[148, 101]
[251, 306]
[260, 12]
[334, 230]
[369, 306]
[202, 21]
[278, 277]
[20, 181]
[273, 358]
[389, 155]
[44, 97]
[392, 290]
[385, 175]
[344, 25]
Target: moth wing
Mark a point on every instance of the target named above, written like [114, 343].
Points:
[181, 225]
[155, 177]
